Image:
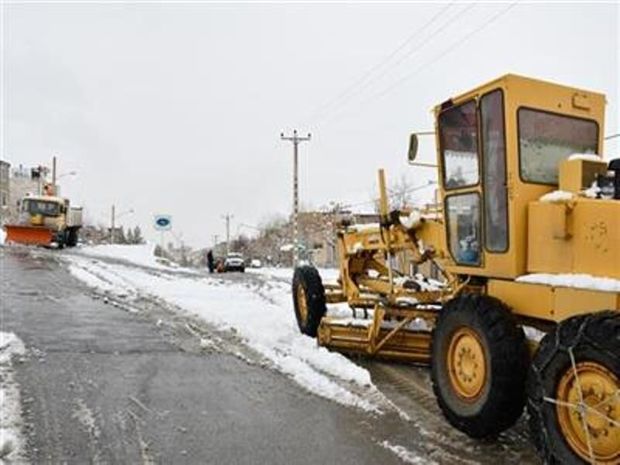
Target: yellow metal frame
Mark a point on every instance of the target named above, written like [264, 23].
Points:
[577, 236]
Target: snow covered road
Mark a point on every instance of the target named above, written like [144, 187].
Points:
[249, 317]
[258, 310]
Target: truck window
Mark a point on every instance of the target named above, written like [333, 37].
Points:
[464, 228]
[494, 171]
[459, 145]
[41, 207]
[545, 139]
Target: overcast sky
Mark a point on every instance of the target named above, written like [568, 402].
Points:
[178, 108]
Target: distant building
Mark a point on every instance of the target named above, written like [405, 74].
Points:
[22, 181]
[5, 189]
[318, 233]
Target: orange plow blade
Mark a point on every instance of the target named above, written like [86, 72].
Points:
[30, 235]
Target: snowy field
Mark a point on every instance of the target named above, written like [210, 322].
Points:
[259, 310]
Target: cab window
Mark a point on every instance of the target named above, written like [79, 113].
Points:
[41, 207]
[494, 169]
[459, 145]
[464, 228]
[545, 139]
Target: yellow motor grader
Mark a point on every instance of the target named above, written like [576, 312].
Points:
[524, 239]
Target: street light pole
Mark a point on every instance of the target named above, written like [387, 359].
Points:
[295, 139]
[227, 218]
[114, 217]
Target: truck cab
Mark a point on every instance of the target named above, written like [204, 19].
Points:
[46, 220]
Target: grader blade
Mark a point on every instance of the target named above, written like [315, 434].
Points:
[402, 345]
[28, 235]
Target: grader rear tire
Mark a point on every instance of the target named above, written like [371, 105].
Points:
[479, 365]
[308, 299]
[574, 391]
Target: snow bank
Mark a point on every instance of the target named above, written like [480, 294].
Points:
[142, 254]
[286, 274]
[406, 455]
[578, 281]
[2, 236]
[261, 313]
[11, 442]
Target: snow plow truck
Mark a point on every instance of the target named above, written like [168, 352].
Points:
[525, 242]
[45, 220]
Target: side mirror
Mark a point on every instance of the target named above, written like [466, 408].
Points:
[413, 148]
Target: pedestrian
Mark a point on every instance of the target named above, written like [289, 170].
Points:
[210, 261]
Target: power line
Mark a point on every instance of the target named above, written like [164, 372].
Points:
[444, 26]
[439, 56]
[447, 51]
[391, 191]
[365, 78]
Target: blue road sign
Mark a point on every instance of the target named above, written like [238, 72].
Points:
[162, 222]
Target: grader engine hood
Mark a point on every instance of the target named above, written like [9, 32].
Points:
[570, 234]
[571, 230]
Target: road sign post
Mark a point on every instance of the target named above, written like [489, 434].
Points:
[162, 223]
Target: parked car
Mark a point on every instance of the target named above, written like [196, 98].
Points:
[234, 262]
[255, 263]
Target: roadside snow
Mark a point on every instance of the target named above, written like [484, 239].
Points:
[260, 312]
[143, 254]
[406, 455]
[11, 442]
[578, 281]
[327, 274]
[2, 236]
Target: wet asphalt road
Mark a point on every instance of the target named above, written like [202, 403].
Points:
[103, 385]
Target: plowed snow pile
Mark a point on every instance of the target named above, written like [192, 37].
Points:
[11, 442]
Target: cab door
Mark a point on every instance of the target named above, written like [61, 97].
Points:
[473, 171]
[460, 173]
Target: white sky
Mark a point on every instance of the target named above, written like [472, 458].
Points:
[178, 108]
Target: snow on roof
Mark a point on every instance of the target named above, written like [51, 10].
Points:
[412, 220]
[586, 157]
[364, 227]
[557, 197]
[578, 281]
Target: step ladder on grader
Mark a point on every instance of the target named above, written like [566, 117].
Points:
[525, 237]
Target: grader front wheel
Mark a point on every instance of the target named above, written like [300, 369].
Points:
[574, 391]
[308, 299]
[479, 365]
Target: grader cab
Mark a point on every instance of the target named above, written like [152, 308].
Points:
[525, 238]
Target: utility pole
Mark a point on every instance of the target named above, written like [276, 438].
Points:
[227, 217]
[54, 175]
[295, 139]
[112, 224]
